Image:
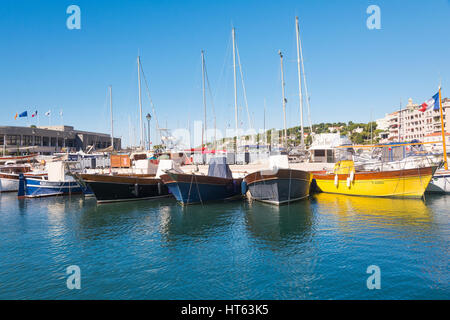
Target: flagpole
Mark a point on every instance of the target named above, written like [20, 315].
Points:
[443, 131]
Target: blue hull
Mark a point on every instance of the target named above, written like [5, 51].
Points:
[188, 193]
[34, 188]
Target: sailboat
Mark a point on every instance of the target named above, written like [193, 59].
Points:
[279, 184]
[192, 188]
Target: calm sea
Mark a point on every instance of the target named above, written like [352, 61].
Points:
[315, 249]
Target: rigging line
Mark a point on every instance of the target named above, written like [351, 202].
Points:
[304, 81]
[149, 97]
[243, 87]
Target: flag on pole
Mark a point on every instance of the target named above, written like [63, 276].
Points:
[15, 117]
[47, 113]
[34, 114]
[434, 101]
[23, 114]
[61, 113]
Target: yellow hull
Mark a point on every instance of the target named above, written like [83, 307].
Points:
[404, 187]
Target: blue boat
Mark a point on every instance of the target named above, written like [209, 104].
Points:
[34, 188]
[56, 184]
[194, 188]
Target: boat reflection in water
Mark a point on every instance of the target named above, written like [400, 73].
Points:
[374, 212]
[279, 225]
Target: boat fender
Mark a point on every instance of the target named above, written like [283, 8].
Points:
[349, 182]
[336, 180]
[136, 190]
[21, 192]
[244, 187]
[352, 175]
[159, 188]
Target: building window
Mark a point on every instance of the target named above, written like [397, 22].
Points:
[53, 142]
[37, 141]
[2, 140]
[46, 141]
[27, 140]
[12, 140]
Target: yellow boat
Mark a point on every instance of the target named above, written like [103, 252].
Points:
[408, 183]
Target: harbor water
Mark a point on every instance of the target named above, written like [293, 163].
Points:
[319, 248]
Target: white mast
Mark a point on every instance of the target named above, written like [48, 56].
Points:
[306, 87]
[302, 138]
[112, 126]
[204, 99]
[235, 89]
[140, 104]
[284, 99]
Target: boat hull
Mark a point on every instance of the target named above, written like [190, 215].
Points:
[194, 189]
[36, 188]
[284, 186]
[124, 188]
[8, 184]
[440, 183]
[410, 183]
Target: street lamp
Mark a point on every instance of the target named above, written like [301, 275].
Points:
[148, 117]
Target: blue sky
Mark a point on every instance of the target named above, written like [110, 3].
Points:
[353, 73]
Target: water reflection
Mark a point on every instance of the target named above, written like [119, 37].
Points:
[381, 212]
[279, 225]
[198, 221]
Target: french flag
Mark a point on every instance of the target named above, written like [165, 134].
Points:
[34, 114]
[434, 101]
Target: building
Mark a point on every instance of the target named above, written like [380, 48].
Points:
[409, 123]
[50, 139]
[436, 137]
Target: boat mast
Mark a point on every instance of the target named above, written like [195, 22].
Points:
[235, 90]
[204, 100]
[140, 103]
[444, 147]
[112, 126]
[302, 138]
[306, 87]
[284, 99]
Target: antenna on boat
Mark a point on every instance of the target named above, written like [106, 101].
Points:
[112, 126]
[204, 100]
[140, 103]
[233, 32]
[283, 95]
[297, 30]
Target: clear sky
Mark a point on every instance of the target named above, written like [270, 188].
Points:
[353, 73]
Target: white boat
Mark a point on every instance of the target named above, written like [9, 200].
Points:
[9, 176]
[440, 182]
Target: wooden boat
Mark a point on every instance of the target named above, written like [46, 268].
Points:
[114, 188]
[407, 183]
[277, 185]
[9, 176]
[18, 159]
[192, 188]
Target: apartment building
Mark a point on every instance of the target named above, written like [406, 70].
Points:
[409, 123]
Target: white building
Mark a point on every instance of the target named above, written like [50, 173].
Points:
[409, 123]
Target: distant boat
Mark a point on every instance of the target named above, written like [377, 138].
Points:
[407, 183]
[18, 159]
[57, 183]
[192, 188]
[279, 184]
